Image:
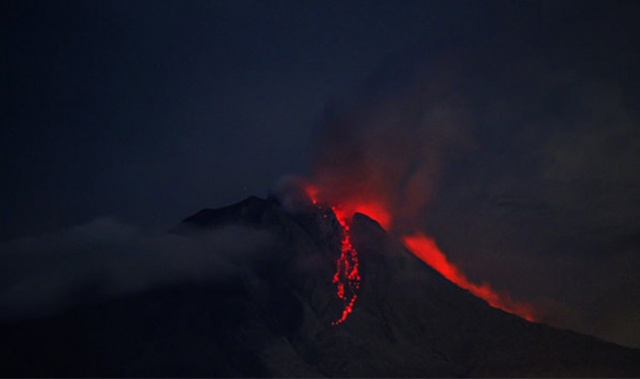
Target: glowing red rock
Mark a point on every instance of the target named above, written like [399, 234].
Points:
[347, 276]
[426, 249]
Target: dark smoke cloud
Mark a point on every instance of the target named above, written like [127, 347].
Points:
[391, 142]
[50, 272]
[522, 165]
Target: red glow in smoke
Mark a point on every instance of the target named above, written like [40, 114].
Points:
[374, 211]
[348, 207]
[347, 276]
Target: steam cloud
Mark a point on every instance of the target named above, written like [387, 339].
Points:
[48, 273]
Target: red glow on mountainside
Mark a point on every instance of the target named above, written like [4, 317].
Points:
[348, 207]
[347, 277]
[374, 211]
[426, 249]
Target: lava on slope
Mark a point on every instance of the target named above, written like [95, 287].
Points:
[426, 249]
[347, 276]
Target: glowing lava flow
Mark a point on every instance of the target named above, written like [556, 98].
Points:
[426, 249]
[347, 276]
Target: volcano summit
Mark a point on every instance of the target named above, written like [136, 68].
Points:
[278, 314]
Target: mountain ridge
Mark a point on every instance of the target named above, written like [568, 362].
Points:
[274, 318]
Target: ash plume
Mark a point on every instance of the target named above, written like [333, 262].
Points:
[390, 142]
[517, 163]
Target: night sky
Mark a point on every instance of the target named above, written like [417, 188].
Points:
[123, 113]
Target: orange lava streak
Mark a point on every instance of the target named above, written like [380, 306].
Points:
[347, 276]
[426, 249]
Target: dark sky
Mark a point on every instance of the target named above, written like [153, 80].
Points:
[148, 111]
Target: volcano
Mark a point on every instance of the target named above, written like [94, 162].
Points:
[278, 315]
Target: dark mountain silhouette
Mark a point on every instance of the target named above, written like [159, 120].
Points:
[273, 318]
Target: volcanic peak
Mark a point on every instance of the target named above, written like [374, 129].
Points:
[274, 318]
